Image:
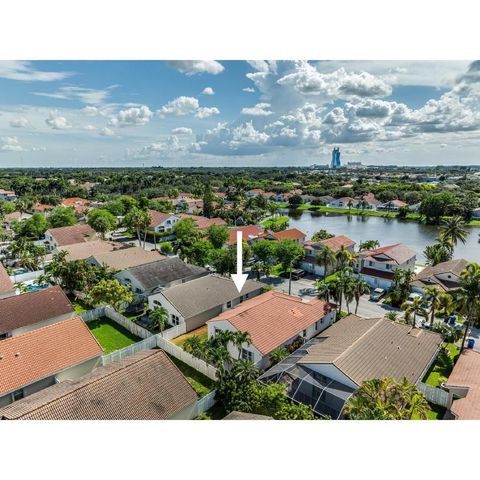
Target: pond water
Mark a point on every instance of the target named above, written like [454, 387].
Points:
[386, 230]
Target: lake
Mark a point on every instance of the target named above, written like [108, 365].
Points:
[386, 230]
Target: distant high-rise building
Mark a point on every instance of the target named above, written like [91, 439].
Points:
[336, 163]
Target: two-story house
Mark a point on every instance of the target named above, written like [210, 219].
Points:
[377, 266]
[162, 222]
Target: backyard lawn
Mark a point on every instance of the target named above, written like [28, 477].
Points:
[110, 335]
[201, 383]
[442, 366]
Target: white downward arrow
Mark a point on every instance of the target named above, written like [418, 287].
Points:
[239, 278]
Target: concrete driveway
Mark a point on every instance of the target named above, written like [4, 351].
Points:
[304, 288]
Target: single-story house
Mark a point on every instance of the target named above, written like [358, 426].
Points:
[61, 236]
[377, 266]
[254, 192]
[42, 208]
[83, 250]
[6, 285]
[463, 385]
[392, 206]
[144, 386]
[123, 258]
[343, 202]
[309, 263]
[369, 201]
[7, 195]
[10, 218]
[445, 276]
[44, 356]
[273, 320]
[162, 222]
[329, 368]
[75, 202]
[151, 277]
[25, 312]
[194, 302]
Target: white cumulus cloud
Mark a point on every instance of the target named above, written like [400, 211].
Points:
[133, 116]
[259, 110]
[57, 122]
[191, 67]
[21, 122]
[208, 91]
[182, 131]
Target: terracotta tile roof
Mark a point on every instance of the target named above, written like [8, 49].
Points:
[157, 218]
[273, 318]
[83, 250]
[74, 201]
[249, 232]
[73, 234]
[208, 222]
[34, 307]
[290, 234]
[121, 259]
[45, 351]
[397, 254]
[190, 216]
[42, 207]
[144, 386]
[6, 285]
[466, 373]
[367, 348]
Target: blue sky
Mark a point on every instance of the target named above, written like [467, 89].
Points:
[184, 113]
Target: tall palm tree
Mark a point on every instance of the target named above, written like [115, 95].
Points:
[360, 287]
[445, 303]
[193, 345]
[241, 338]
[323, 290]
[159, 318]
[369, 245]
[342, 256]
[326, 258]
[415, 308]
[433, 294]
[469, 295]
[454, 229]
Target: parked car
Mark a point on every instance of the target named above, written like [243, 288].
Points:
[377, 294]
[298, 274]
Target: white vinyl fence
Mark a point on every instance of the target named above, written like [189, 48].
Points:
[174, 331]
[147, 344]
[118, 318]
[205, 403]
[434, 395]
[182, 355]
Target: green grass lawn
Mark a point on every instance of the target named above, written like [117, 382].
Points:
[436, 413]
[278, 222]
[79, 306]
[442, 367]
[111, 336]
[201, 383]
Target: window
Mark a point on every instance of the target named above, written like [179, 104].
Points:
[247, 355]
[241, 299]
[175, 319]
[318, 323]
[229, 304]
[18, 395]
[304, 333]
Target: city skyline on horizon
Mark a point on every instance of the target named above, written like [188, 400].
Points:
[238, 113]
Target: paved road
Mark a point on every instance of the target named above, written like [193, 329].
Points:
[304, 288]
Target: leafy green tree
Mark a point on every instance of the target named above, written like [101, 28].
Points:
[186, 235]
[224, 260]
[322, 235]
[436, 205]
[201, 252]
[102, 221]
[386, 399]
[295, 201]
[31, 227]
[26, 253]
[288, 253]
[62, 217]
[110, 292]
[166, 247]
[218, 235]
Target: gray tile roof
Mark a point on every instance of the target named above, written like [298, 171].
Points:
[205, 293]
[144, 386]
[367, 348]
[429, 275]
[164, 271]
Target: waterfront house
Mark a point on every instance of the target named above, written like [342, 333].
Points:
[369, 202]
[39, 358]
[343, 202]
[21, 313]
[192, 303]
[445, 276]
[273, 320]
[249, 234]
[162, 222]
[312, 249]
[377, 266]
[151, 277]
[392, 206]
[329, 368]
[144, 386]
[254, 192]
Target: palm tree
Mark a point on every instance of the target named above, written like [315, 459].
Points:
[246, 371]
[239, 339]
[342, 256]
[159, 318]
[277, 355]
[323, 290]
[325, 257]
[369, 245]
[454, 229]
[469, 295]
[21, 287]
[193, 345]
[433, 294]
[391, 315]
[43, 279]
[360, 287]
[437, 253]
[445, 303]
[414, 308]
[219, 356]
[139, 220]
